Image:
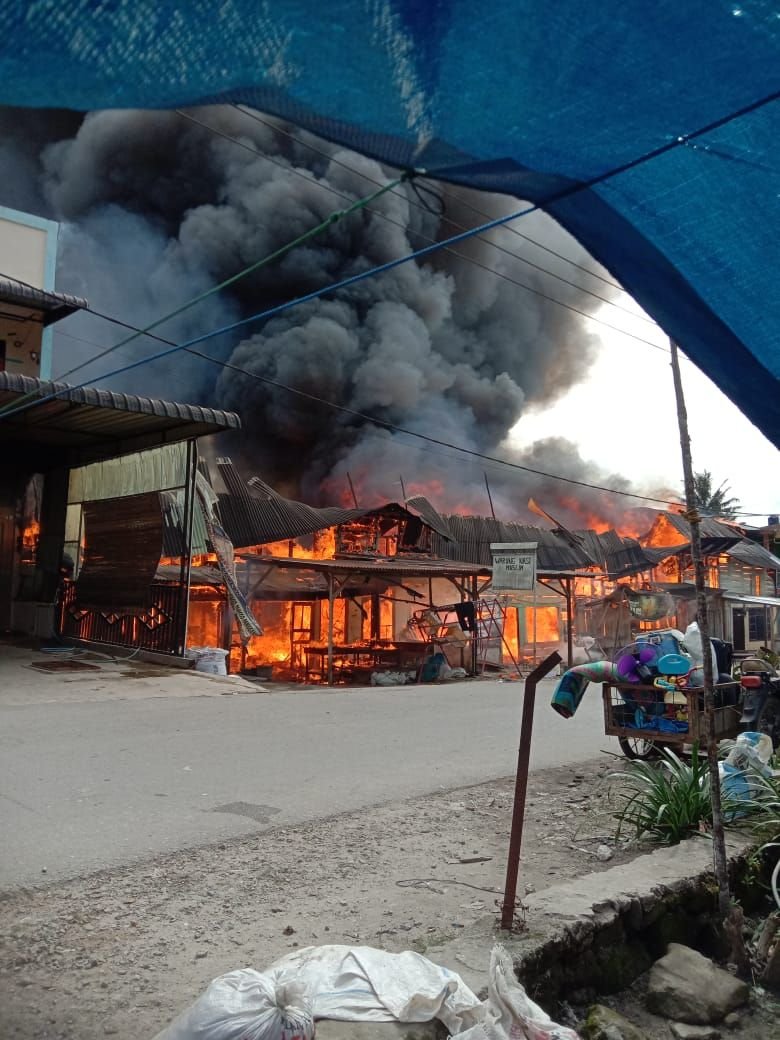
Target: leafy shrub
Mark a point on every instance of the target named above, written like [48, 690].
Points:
[670, 800]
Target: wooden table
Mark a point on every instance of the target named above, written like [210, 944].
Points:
[362, 657]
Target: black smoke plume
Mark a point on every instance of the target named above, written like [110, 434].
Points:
[156, 209]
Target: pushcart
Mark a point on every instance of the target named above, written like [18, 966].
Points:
[644, 723]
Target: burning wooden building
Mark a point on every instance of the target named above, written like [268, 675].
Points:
[338, 592]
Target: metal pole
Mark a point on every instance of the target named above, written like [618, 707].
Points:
[720, 862]
[569, 632]
[521, 786]
[403, 489]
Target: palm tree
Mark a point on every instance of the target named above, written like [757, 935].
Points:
[713, 502]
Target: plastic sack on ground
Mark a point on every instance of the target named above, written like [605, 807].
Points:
[362, 984]
[245, 1005]
[390, 678]
[208, 659]
[509, 1013]
[748, 759]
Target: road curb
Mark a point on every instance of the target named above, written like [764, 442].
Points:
[599, 932]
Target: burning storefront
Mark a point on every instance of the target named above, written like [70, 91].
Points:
[654, 588]
[338, 593]
[89, 472]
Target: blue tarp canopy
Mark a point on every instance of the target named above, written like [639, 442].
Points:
[651, 131]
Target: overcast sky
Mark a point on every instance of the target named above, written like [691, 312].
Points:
[623, 416]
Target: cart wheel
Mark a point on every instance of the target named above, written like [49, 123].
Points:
[639, 748]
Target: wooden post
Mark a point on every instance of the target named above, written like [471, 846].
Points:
[330, 628]
[720, 862]
[352, 489]
[490, 497]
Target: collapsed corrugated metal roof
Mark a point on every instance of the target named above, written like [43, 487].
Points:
[423, 508]
[253, 513]
[84, 424]
[473, 535]
[617, 556]
[657, 553]
[52, 305]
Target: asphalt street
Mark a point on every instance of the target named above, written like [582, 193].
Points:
[91, 784]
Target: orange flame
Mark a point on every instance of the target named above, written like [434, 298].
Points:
[547, 626]
[323, 547]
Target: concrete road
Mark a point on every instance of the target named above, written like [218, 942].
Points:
[87, 784]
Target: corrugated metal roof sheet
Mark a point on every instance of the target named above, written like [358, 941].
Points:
[473, 535]
[253, 513]
[765, 601]
[658, 553]
[198, 576]
[386, 566]
[53, 305]
[617, 556]
[755, 555]
[745, 550]
[709, 527]
[83, 424]
[173, 525]
[423, 508]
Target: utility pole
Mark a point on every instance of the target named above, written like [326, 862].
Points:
[720, 862]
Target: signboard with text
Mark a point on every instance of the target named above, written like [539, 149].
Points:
[514, 566]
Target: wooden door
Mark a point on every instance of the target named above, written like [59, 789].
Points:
[738, 629]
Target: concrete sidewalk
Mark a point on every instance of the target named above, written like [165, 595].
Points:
[31, 676]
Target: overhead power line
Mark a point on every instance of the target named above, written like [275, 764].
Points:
[461, 201]
[497, 464]
[276, 254]
[445, 218]
[381, 423]
[566, 192]
[634, 314]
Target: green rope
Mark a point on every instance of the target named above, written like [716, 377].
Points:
[329, 221]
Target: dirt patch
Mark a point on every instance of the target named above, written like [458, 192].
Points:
[65, 666]
[120, 952]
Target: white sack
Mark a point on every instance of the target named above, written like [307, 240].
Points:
[362, 984]
[692, 642]
[509, 1013]
[245, 1005]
